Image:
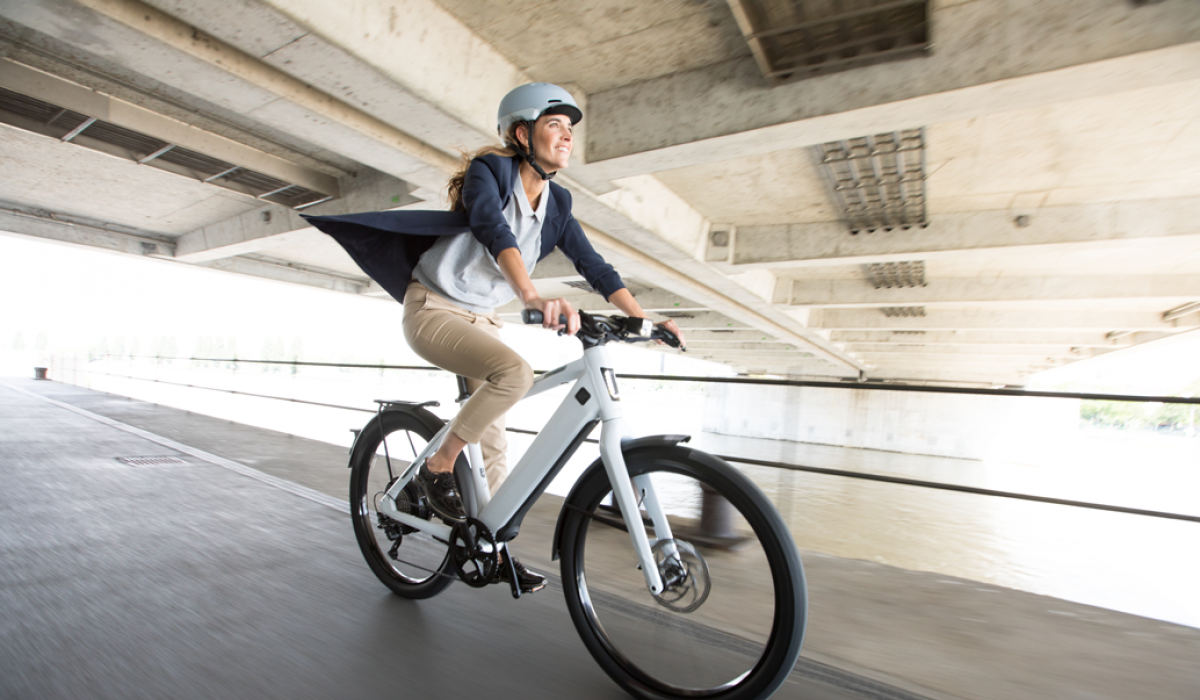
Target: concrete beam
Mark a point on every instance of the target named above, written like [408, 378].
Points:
[720, 347]
[995, 320]
[750, 353]
[271, 225]
[1070, 352]
[63, 93]
[64, 228]
[162, 48]
[971, 338]
[924, 376]
[982, 359]
[990, 57]
[388, 60]
[1047, 230]
[717, 338]
[848, 294]
[291, 273]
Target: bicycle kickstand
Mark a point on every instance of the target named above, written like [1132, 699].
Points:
[513, 579]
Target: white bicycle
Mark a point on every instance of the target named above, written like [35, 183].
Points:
[665, 614]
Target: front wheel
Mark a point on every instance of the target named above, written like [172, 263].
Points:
[731, 621]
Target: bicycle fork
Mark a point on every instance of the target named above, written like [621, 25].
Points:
[626, 493]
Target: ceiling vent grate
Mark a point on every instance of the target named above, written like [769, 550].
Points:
[892, 275]
[903, 311]
[32, 114]
[802, 38]
[878, 182]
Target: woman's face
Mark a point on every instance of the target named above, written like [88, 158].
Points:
[553, 141]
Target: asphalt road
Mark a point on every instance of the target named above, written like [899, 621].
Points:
[195, 581]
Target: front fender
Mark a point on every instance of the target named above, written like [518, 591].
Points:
[628, 448]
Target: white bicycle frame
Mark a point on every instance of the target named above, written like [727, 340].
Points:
[594, 397]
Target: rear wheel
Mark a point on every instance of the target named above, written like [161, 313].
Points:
[731, 621]
[410, 562]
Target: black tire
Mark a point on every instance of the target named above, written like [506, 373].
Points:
[741, 642]
[421, 567]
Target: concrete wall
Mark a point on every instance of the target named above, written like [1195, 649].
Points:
[949, 425]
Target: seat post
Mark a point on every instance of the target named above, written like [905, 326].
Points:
[463, 392]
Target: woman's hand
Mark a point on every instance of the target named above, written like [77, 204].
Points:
[553, 308]
[670, 325]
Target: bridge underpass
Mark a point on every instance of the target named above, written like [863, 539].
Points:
[1056, 181]
[1022, 175]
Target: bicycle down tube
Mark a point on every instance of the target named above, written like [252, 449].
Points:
[592, 398]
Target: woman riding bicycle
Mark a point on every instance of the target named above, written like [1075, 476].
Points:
[451, 283]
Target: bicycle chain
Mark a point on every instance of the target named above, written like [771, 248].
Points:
[423, 568]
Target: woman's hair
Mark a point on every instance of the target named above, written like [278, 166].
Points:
[508, 150]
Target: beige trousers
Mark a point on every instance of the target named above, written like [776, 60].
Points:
[467, 343]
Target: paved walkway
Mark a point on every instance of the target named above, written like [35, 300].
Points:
[196, 581]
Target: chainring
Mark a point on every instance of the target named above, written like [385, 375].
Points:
[473, 551]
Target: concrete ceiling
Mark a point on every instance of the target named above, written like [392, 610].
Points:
[1061, 161]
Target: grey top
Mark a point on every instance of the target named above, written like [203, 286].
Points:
[462, 270]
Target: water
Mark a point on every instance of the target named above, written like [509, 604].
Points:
[1142, 565]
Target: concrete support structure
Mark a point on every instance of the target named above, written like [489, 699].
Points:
[1058, 151]
[948, 425]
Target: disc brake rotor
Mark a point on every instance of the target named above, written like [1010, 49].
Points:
[686, 581]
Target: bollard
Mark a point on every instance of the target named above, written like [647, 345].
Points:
[39, 372]
[716, 515]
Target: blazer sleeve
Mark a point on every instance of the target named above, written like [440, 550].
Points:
[485, 211]
[595, 270]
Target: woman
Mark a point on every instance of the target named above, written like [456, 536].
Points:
[450, 284]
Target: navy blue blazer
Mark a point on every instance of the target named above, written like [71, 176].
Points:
[388, 244]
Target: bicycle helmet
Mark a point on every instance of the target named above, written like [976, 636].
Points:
[526, 104]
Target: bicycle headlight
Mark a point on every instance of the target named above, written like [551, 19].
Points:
[642, 327]
[610, 381]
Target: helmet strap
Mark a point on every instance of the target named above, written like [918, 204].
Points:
[529, 155]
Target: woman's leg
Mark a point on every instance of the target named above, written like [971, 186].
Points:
[468, 344]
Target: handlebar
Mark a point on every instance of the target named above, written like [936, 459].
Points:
[597, 329]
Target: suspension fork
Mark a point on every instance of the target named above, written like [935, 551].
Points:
[627, 501]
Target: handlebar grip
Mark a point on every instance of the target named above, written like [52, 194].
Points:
[535, 317]
[667, 337]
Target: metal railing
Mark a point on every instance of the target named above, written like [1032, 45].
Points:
[731, 380]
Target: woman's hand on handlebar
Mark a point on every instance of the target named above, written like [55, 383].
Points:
[670, 325]
[552, 310]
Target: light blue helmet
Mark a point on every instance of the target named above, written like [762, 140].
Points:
[528, 102]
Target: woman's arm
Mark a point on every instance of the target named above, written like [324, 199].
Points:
[514, 271]
[485, 209]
